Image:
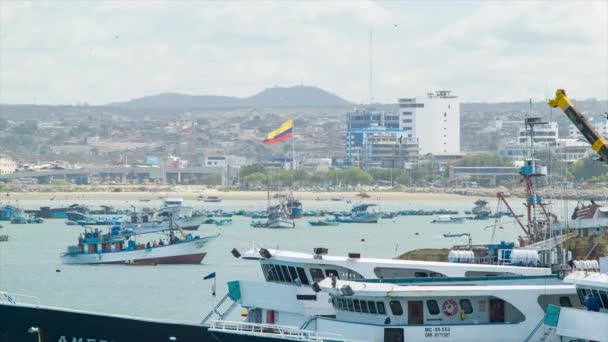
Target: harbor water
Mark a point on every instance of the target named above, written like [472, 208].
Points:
[29, 261]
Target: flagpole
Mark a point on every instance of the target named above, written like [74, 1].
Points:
[293, 147]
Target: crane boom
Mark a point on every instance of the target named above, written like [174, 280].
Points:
[598, 144]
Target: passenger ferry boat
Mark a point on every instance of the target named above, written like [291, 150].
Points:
[118, 246]
[367, 311]
[389, 312]
[288, 298]
[571, 324]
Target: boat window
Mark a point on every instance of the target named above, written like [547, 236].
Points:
[343, 304]
[279, 273]
[272, 274]
[357, 305]
[466, 306]
[381, 308]
[265, 272]
[437, 275]
[329, 273]
[293, 273]
[316, 274]
[604, 298]
[302, 276]
[581, 295]
[396, 308]
[286, 273]
[565, 302]
[349, 304]
[364, 306]
[432, 306]
[421, 275]
[372, 307]
[595, 293]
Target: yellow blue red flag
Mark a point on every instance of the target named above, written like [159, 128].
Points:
[280, 134]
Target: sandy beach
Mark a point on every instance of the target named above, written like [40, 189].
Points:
[192, 194]
[188, 192]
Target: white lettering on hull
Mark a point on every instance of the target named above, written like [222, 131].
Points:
[441, 332]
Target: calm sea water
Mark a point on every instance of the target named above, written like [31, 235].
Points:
[29, 260]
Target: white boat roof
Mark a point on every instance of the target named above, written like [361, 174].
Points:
[585, 278]
[393, 290]
[298, 257]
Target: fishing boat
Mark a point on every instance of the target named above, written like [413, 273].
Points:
[323, 223]
[295, 208]
[451, 235]
[362, 213]
[481, 209]
[213, 199]
[119, 246]
[279, 217]
[200, 198]
[449, 219]
[7, 211]
[223, 222]
[588, 219]
[183, 216]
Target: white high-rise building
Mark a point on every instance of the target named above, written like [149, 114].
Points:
[434, 120]
[7, 166]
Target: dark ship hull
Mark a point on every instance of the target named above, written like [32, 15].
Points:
[58, 325]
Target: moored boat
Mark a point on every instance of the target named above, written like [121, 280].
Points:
[323, 223]
[362, 213]
[118, 246]
[212, 199]
[449, 219]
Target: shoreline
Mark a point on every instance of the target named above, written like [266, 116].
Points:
[191, 192]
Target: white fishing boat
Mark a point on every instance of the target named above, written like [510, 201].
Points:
[449, 219]
[118, 246]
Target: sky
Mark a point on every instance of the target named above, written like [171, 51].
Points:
[70, 52]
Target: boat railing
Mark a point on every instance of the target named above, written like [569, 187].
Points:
[15, 298]
[275, 331]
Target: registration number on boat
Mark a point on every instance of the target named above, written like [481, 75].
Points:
[437, 332]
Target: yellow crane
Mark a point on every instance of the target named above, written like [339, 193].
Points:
[598, 144]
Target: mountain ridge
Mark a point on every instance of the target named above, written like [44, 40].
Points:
[297, 96]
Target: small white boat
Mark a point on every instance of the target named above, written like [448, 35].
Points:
[449, 219]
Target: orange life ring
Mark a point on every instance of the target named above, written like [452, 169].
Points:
[449, 307]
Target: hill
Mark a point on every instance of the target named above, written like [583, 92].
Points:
[296, 96]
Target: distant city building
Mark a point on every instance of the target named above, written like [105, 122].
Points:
[434, 120]
[601, 126]
[224, 161]
[7, 166]
[91, 140]
[571, 150]
[567, 150]
[389, 150]
[546, 135]
[376, 139]
[316, 164]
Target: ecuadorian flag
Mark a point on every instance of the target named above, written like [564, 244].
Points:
[280, 134]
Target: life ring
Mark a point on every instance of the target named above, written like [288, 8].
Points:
[449, 307]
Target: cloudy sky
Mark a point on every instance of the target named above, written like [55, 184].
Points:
[99, 52]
